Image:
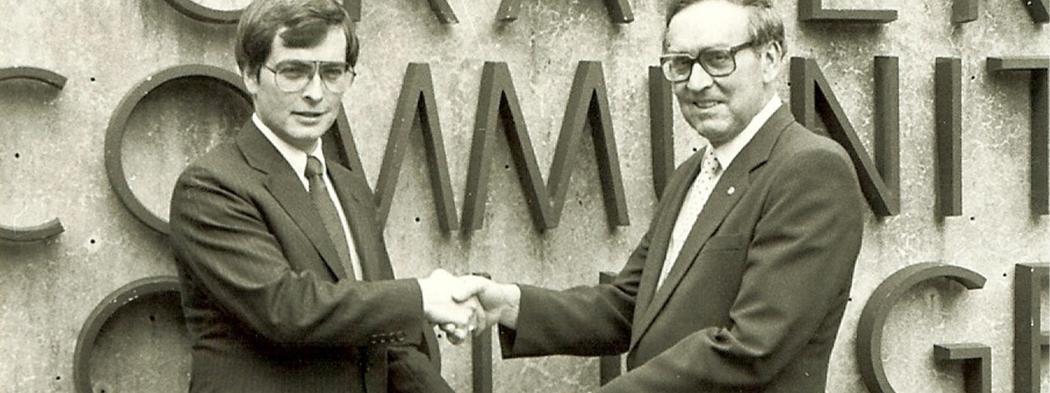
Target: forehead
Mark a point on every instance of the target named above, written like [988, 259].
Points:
[331, 48]
[706, 24]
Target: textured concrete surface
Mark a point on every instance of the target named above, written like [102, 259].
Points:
[51, 164]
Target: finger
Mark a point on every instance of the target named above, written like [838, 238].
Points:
[448, 328]
[455, 337]
[478, 315]
[459, 336]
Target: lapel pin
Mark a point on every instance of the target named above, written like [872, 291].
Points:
[731, 190]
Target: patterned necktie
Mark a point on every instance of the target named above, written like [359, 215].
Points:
[329, 215]
[710, 170]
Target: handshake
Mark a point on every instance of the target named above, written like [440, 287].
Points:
[467, 304]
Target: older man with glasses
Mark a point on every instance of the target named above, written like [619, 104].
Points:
[741, 282]
[287, 285]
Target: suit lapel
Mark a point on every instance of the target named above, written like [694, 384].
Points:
[731, 187]
[661, 237]
[284, 185]
[374, 264]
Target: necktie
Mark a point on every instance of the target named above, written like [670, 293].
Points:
[329, 215]
[710, 170]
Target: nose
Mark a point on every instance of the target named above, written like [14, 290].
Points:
[314, 90]
[698, 78]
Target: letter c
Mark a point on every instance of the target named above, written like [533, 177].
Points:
[53, 227]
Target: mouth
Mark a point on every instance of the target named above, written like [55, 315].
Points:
[308, 114]
[706, 104]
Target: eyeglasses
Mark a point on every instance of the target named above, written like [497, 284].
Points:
[678, 67]
[293, 75]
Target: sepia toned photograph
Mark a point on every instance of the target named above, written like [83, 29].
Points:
[516, 196]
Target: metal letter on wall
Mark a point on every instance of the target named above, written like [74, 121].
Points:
[947, 97]
[442, 10]
[134, 291]
[1039, 10]
[52, 227]
[118, 122]
[811, 95]
[661, 129]
[205, 14]
[619, 11]
[588, 105]
[201, 13]
[609, 367]
[873, 317]
[417, 105]
[964, 11]
[1029, 336]
[1040, 122]
[353, 7]
[977, 364]
[481, 357]
[814, 11]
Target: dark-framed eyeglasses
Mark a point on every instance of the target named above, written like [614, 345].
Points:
[293, 75]
[678, 67]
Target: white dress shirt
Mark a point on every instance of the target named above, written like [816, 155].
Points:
[297, 159]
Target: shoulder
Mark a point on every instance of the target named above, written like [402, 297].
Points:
[223, 166]
[802, 149]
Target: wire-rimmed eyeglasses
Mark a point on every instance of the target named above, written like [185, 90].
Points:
[293, 75]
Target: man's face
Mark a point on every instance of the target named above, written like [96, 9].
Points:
[302, 117]
[720, 107]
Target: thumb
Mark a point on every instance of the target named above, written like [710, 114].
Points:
[469, 286]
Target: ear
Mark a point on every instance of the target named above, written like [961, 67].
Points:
[772, 59]
[251, 83]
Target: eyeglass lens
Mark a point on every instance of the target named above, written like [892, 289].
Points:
[715, 62]
[294, 75]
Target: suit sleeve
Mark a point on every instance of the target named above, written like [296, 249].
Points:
[223, 244]
[799, 269]
[552, 320]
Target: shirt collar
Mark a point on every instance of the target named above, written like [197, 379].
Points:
[727, 152]
[295, 157]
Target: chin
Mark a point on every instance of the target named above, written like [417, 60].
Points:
[712, 129]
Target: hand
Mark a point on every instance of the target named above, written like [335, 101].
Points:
[457, 317]
[500, 301]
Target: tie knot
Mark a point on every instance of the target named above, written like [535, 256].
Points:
[313, 167]
[711, 163]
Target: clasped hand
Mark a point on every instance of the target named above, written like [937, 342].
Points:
[467, 304]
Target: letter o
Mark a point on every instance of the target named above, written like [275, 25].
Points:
[117, 300]
[118, 122]
[199, 12]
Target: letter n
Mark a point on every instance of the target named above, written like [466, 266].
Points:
[811, 95]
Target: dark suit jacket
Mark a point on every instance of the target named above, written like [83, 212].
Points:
[756, 296]
[267, 303]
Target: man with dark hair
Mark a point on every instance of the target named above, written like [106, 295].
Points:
[741, 282]
[287, 285]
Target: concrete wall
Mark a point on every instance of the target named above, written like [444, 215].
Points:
[52, 165]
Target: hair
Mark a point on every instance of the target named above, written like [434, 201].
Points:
[764, 25]
[306, 22]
